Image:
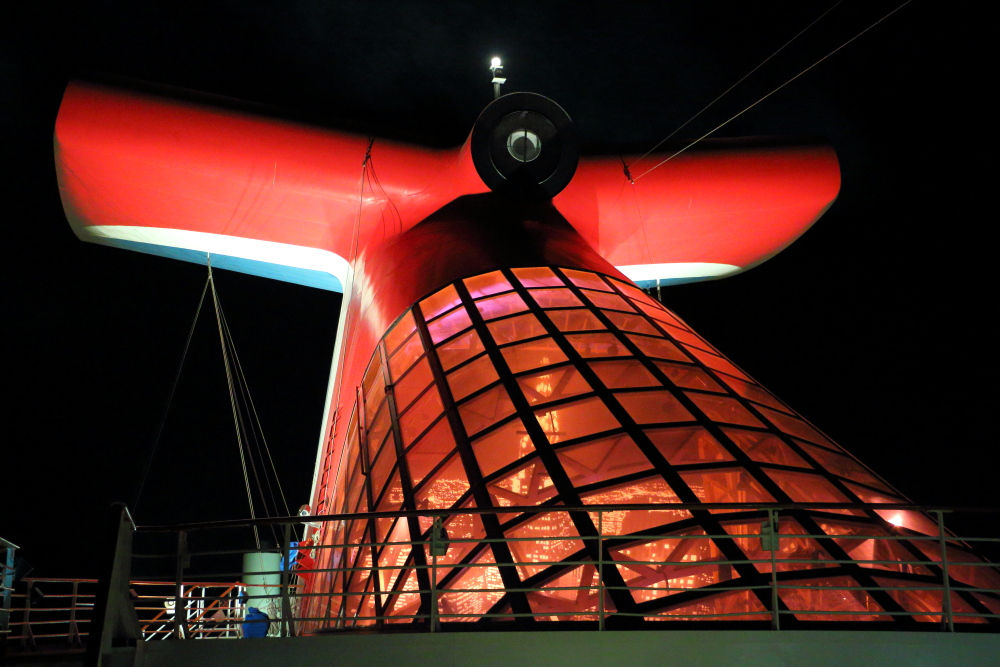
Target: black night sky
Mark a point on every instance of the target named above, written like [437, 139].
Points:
[874, 325]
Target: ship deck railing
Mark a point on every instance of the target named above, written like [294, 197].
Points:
[197, 569]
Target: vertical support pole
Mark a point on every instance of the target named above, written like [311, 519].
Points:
[775, 544]
[287, 624]
[600, 570]
[7, 582]
[115, 622]
[27, 638]
[946, 611]
[74, 630]
[434, 562]
[180, 608]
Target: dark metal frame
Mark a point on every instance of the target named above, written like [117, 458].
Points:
[569, 495]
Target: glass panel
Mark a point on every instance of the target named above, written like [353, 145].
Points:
[624, 522]
[731, 485]
[578, 603]
[459, 527]
[686, 561]
[690, 338]
[598, 345]
[589, 280]
[403, 358]
[459, 349]
[632, 291]
[446, 486]
[472, 377]
[765, 447]
[517, 328]
[553, 385]
[793, 426]
[658, 347]
[373, 378]
[689, 377]
[498, 306]
[381, 468]
[439, 302]
[532, 354]
[536, 555]
[790, 548]
[502, 447]
[973, 575]
[575, 420]
[555, 297]
[624, 374]
[392, 497]
[716, 362]
[528, 485]
[608, 301]
[888, 549]
[398, 333]
[723, 409]
[412, 384]
[486, 284]
[539, 276]
[601, 460]
[429, 451]
[650, 407]
[629, 322]
[903, 518]
[804, 487]
[843, 466]
[812, 597]
[469, 606]
[419, 415]
[378, 429]
[685, 445]
[485, 409]
[926, 601]
[577, 319]
[714, 607]
[449, 325]
[657, 312]
[750, 391]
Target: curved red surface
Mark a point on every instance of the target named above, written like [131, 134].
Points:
[133, 159]
[127, 158]
[724, 203]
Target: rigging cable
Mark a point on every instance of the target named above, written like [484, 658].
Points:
[262, 446]
[170, 397]
[727, 90]
[345, 344]
[720, 126]
[243, 401]
[232, 403]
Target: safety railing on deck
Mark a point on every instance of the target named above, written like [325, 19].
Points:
[937, 581]
[51, 614]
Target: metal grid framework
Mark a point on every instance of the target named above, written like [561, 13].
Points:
[549, 386]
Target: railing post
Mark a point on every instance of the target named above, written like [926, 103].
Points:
[600, 570]
[287, 624]
[74, 630]
[27, 638]
[946, 610]
[115, 622]
[435, 530]
[180, 609]
[774, 544]
[7, 582]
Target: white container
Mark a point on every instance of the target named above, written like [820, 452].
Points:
[263, 581]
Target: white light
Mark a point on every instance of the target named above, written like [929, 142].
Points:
[495, 63]
[897, 520]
